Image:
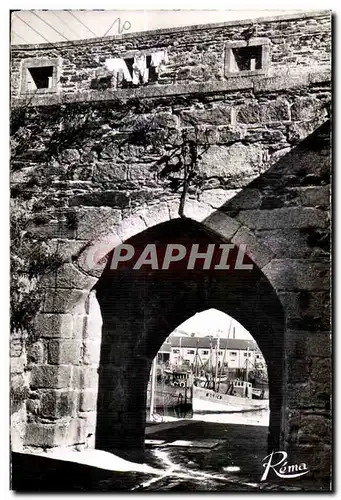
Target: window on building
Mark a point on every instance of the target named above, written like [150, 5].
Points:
[233, 353]
[40, 78]
[152, 73]
[250, 57]
[129, 62]
[205, 353]
[134, 69]
[190, 351]
[40, 75]
[220, 353]
[176, 351]
[245, 354]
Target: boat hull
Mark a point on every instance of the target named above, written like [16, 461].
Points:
[208, 401]
[166, 396]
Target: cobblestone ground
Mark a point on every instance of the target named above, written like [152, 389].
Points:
[239, 446]
[231, 461]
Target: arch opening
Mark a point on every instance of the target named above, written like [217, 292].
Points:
[140, 308]
[209, 350]
[201, 364]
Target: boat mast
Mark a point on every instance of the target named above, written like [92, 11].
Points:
[216, 362]
[210, 357]
[152, 393]
[196, 358]
[247, 365]
[224, 357]
[180, 351]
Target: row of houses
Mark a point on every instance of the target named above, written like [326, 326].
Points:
[233, 353]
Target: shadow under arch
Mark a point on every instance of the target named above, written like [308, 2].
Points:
[140, 308]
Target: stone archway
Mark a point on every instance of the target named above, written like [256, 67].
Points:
[148, 308]
[288, 243]
[71, 320]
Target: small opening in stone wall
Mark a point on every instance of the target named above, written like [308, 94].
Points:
[153, 75]
[124, 82]
[246, 58]
[40, 78]
[129, 62]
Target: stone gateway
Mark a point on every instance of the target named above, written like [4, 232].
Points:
[196, 135]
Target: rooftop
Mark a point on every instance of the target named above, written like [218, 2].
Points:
[206, 342]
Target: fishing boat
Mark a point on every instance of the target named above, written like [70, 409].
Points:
[237, 399]
[237, 396]
[170, 390]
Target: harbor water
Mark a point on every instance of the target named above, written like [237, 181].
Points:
[259, 417]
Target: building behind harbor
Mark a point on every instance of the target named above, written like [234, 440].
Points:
[204, 352]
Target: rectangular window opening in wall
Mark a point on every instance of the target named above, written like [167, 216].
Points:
[40, 78]
[40, 75]
[247, 58]
[129, 62]
[132, 70]
[141, 71]
[153, 75]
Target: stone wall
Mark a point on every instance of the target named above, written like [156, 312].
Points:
[299, 43]
[91, 174]
[106, 155]
[287, 210]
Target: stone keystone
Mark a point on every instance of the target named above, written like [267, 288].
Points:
[222, 224]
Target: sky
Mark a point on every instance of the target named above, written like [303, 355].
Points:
[44, 26]
[213, 322]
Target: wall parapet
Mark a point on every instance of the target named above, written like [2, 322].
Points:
[214, 53]
[257, 84]
[179, 29]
